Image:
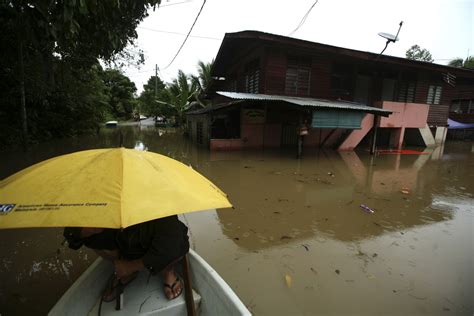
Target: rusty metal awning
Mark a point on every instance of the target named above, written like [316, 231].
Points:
[307, 102]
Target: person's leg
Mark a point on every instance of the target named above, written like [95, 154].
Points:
[110, 291]
[173, 285]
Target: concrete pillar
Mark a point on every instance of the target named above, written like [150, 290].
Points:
[440, 136]
[396, 138]
[427, 136]
[357, 135]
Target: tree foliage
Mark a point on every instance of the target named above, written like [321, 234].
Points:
[121, 93]
[460, 63]
[50, 70]
[417, 53]
[153, 102]
[181, 92]
[203, 81]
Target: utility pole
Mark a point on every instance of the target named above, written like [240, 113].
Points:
[156, 80]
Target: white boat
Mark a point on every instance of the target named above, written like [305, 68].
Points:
[111, 123]
[144, 296]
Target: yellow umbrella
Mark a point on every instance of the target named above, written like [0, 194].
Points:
[111, 188]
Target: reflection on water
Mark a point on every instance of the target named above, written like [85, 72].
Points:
[292, 218]
[321, 197]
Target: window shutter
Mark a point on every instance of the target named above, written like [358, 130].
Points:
[406, 91]
[298, 75]
[434, 95]
[252, 77]
[337, 119]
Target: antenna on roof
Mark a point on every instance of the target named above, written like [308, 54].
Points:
[390, 38]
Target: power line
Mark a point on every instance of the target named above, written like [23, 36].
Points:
[304, 18]
[171, 4]
[192, 26]
[177, 33]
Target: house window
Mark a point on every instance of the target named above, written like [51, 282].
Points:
[342, 81]
[462, 106]
[298, 75]
[199, 134]
[434, 95]
[406, 91]
[252, 77]
[226, 125]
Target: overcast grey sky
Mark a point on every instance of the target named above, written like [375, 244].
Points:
[444, 27]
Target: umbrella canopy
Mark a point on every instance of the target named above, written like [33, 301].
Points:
[110, 188]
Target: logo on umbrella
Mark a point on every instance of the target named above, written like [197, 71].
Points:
[6, 208]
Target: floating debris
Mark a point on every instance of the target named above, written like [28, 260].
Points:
[305, 247]
[337, 271]
[367, 209]
[285, 237]
[288, 280]
[405, 191]
[313, 270]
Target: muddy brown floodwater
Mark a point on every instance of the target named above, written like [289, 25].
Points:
[297, 242]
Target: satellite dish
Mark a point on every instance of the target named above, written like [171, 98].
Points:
[389, 37]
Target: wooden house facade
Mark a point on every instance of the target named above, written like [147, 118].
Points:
[270, 90]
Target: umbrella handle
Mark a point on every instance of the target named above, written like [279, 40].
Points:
[119, 298]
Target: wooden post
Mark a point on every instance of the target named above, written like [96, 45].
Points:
[374, 135]
[300, 138]
[188, 288]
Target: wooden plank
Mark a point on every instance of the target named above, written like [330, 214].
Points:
[438, 115]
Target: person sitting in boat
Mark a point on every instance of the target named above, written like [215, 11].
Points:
[155, 245]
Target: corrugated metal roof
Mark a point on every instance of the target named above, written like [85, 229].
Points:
[309, 102]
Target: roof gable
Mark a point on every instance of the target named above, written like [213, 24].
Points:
[233, 43]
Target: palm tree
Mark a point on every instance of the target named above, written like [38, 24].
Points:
[203, 80]
[181, 92]
[460, 63]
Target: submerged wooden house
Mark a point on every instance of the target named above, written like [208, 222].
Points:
[274, 91]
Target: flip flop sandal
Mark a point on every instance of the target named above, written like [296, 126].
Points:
[172, 286]
[110, 293]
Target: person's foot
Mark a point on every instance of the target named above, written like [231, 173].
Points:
[173, 286]
[110, 292]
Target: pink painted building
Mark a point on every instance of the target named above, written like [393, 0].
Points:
[276, 91]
